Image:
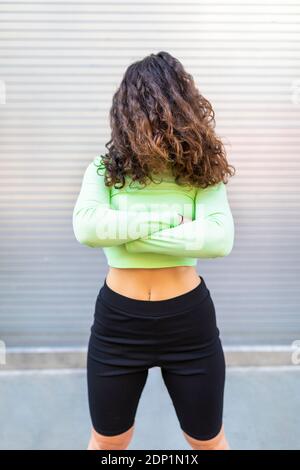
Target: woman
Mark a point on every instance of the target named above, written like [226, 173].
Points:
[155, 203]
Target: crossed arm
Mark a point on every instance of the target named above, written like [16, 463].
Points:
[210, 235]
[96, 224]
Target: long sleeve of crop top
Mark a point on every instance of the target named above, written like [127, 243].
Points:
[209, 235]
[96, 224]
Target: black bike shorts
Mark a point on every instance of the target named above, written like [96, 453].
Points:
[179, 335]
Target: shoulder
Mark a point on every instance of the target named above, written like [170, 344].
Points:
[98, 160]
[214, 188]
[95, 167]
[215, 192]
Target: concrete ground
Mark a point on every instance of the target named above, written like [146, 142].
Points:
[48, 410]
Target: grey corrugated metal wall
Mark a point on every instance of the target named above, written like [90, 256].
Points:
[61, 62]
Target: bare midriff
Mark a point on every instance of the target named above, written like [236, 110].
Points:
[153, 283]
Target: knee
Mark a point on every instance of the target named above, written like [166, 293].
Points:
[116, 442]
[219, 442]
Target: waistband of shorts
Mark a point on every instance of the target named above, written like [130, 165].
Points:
[179, 303]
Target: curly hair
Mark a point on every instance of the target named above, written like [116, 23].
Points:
[160, 122]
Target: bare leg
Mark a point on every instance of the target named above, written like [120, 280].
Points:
[117, 442]
[218, 442]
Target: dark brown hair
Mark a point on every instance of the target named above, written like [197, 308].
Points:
[159, 122]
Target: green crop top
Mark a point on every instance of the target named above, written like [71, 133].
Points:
[140, 227]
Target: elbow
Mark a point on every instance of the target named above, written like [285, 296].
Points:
[220, 249]
[81, 234]
[88, 232]
[83, 238]
[226, 242]
[222, 244]
[87, 236]
[227, 247]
